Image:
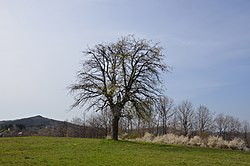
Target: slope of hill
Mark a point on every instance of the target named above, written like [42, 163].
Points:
[31, 121]
[41, 126]
[36, 125]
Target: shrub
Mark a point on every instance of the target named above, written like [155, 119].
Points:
[158, 139]
[196, 141]
[211, 141]
[146, 138]
[109, 137]
[217, 142]
[171, 139]
[182, 140]
[131, 136]
[237, 143]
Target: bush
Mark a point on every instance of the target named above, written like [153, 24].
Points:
[182, 140]
[146, 138]
[109, 137]
[197, 141]
[167, 139]
[158, 139]
[237, 143]
[217, 142]
[171, 139]
[131, 136]
[211, 141]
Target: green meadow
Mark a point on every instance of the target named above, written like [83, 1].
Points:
[79, 151]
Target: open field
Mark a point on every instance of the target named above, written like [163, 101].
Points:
[77, 151]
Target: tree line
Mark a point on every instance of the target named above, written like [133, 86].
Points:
[166, 117]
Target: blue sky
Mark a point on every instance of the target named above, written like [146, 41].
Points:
[206, 42]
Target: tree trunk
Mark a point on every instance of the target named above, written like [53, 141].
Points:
[115, 122]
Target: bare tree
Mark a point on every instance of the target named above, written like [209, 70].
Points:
[227, 126]
[246, 132]
[78, 127]
[105, 118]
[119, 74]
[174, 123]
[165, 112]
[63, 129]
[185, 114]
[77, 121]
[204, 120]
[221, 124]
[234, 127]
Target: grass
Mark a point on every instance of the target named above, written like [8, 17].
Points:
[77, 151]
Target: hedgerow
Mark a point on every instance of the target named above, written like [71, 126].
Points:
[211, 141]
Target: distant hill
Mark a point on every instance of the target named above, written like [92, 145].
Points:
[41, 126]
[36, 125]
[32, 121]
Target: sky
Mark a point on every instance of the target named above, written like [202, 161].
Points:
[206, 42]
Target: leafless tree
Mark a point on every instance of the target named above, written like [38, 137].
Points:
[174, 123]
[204, 120]
[221, 122]
[227, 126]
[116, 75]
[165, 112]
[98, 128]
[234, 127]
[246, 132]
[63, 129]
[185, 115]
[127, 123]
[80, 129]
[105, 118]
[77, 121]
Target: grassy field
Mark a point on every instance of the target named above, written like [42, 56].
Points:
[76, 151]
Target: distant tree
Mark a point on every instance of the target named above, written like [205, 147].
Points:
[221, 122]
[126, 123]
[63, 129]
[77, 121]
[79, 129]
[185, 117]
[204, 120]
[174, 123]
[246, 132]
[123, 77]
[97, 125]
[234, 127]
[227, 126]
[165, 112]
[104, 118]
